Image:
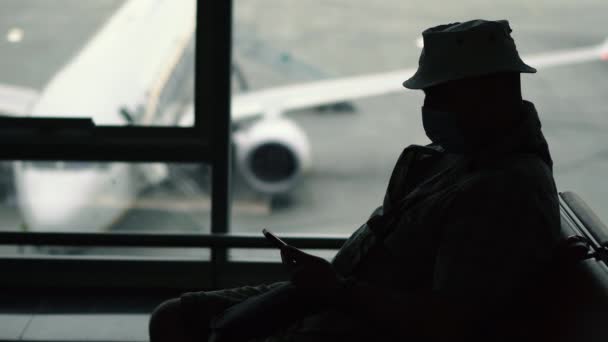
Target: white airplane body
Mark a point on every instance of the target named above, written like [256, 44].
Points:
[124, 74]
[125, 67]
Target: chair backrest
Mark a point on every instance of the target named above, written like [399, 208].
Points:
[572, 301]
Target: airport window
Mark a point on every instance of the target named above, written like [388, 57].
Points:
[323, 80]
[118, 62]
[317, 121]
[108, 153]
[137, 200]
[101, 197]
[86, 78]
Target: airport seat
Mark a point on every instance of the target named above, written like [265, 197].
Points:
[570, 303]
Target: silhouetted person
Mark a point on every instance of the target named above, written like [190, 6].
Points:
[466, 221]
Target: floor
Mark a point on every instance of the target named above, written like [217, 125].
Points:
[75, 318]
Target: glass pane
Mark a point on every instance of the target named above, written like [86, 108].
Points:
[315, 143]
[271, 255]
[95, 197]
[119, 62]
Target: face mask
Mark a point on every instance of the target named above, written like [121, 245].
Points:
[444, 129]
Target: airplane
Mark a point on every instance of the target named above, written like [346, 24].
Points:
[137, 69]
[111, 82]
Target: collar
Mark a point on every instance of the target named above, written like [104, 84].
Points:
[526, 137]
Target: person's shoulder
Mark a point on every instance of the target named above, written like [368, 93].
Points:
[524, 167]
[516, 174]
[530, 169]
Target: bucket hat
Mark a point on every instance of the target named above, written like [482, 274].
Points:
[468, 49]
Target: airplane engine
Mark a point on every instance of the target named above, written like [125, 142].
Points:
[272, 155]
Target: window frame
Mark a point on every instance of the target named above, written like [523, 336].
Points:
[208, 141]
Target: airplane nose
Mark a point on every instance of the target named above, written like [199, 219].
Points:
[52, 201]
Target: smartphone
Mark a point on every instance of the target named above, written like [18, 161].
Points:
[274, 239]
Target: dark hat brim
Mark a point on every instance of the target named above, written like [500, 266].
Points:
[422, 80]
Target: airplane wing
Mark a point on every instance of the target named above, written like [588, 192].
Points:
[15, 100]
[570, 56]
[275, 101]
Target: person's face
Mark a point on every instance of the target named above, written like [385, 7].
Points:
[475, 95]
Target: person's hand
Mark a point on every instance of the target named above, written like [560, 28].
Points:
[309, 272]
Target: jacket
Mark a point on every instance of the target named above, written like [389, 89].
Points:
[476, 227]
